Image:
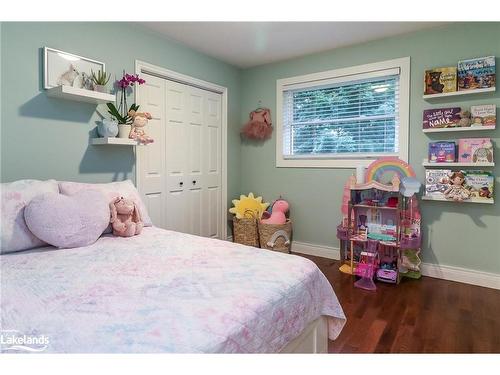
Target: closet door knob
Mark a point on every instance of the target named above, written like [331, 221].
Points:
[194, 182]
[181, 183]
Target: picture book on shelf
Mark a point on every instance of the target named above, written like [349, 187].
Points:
[475, 150]
[441, 117]
[483, 115]
[436, 182]
[477, 184]
[480, 184]
[440, 80]
[442, 152]
[478, 73]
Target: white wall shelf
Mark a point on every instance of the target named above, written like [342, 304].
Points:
[458, 129]
[472, 200]
[113, 141]
[460, 93]
[428, 164]
[80, 95]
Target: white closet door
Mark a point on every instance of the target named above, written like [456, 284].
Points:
[175, 157]
[212, 165]
[151, 169]
[189, 155]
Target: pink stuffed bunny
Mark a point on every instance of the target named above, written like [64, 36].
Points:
[125, 217]
[280, 207]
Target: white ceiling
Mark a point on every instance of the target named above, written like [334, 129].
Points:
[247, 44]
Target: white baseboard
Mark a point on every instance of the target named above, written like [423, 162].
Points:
[461, 275]
[316, 250]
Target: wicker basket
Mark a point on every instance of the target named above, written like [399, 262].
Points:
[245, 231]
[276, 237]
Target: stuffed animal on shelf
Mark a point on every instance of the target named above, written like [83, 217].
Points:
[68, 77]
[465, 120]
[279, 209]
[140, 121]
[125, 217]
[457, 190]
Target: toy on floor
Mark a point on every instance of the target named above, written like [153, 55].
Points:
[278, 210]
[367, 266]
[125, 217]
[248, 207]
[382, 210]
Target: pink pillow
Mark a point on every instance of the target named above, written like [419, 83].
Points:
[15, 196]
[68, 221]
[111, 190]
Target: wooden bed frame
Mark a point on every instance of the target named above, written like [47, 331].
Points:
[313, 339]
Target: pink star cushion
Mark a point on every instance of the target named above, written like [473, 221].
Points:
[68, 221]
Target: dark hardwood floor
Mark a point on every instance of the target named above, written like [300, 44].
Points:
[417, 316]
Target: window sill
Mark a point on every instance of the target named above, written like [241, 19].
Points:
[323, 163]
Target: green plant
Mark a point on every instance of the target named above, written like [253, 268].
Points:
[102, 78]
[121, 114]
[122, 118]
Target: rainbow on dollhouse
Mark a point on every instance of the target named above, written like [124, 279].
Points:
[380, 234]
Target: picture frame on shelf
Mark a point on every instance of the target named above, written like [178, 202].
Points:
[62, 68]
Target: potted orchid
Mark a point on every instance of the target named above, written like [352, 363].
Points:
[121, 114]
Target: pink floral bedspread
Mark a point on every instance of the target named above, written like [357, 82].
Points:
[164, 291]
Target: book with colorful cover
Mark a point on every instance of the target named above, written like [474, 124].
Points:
[483, 115]
[436, 182]
[440, 80]
[478, 73]
[480, 185]
[475, 150]
[441, 117]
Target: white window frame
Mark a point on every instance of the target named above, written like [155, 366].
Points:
[316, 79]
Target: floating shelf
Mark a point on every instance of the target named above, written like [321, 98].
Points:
[426, 163]
[458, 129]
[460, 93]
[376, 207]
[80, 95]
[472, 200]
[114, 141]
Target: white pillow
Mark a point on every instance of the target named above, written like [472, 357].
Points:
[15, 196]
[111, 190]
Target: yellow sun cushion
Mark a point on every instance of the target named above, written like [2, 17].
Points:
[248, 206]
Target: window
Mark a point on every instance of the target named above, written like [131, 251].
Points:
[344, 118]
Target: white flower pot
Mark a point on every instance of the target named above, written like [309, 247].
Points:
[99, 88]
[124, 130]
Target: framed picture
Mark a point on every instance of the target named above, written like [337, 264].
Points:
[63, 68]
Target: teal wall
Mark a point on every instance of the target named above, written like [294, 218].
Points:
[462, 235]
[48, 138]
[42, 137]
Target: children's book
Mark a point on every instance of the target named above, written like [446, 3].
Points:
[475, 150]
[480, 184]
[436, 182]
[440, 80]
[478, 73]
[483, 115]
[441, 117]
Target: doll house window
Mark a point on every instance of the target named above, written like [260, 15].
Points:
[343, 118]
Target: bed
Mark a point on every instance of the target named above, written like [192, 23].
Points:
[164, 291]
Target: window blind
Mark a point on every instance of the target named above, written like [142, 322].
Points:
[354, 118]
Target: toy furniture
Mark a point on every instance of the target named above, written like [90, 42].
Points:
[380, 233]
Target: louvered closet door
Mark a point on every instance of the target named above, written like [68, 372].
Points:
[151, 169]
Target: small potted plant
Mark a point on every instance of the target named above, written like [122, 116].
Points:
[100, 80]
[121, 114]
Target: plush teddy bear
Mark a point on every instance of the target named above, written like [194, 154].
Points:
[140, 121]
[465, 120]
[125, 217]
